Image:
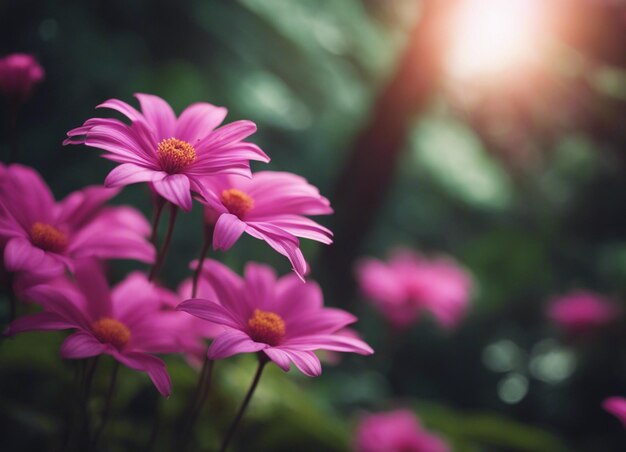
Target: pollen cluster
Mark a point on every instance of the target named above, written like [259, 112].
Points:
[47, 237]
[175, 155]
[266, 327]
[237, 202]
[111, 331]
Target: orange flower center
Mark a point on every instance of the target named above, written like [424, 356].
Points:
[111, 331]
[175, 155]
[237, 202]
[47, 237]
[266, 327]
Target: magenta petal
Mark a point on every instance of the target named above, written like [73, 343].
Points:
[158, 114]
[130, 173]
[280, 358]
[42, 321]
[153, 366]
[122, 107]
[231, 343]
[81, 345]
[176, 189]
[228, 229]
[305, 361]
[198, 120]
[209, 310]
[21, 255]
[331, 342]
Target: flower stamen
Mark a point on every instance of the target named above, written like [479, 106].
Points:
[237, 202]
[266, 327]
[47, 237]
[111, 331]
[175, 155]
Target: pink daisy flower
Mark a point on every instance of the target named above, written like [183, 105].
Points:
[271, 206]
[125, 322]
[282, 318]
[409, 284]
[172, 153]
[396, 431]
[19, 73]
[617, 407]
[581, 312]
[40, 235]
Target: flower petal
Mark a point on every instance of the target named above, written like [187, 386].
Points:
[228, 229]
[331, 342]
[176, 189]
[130, 173]
[81, 345]
[158, 114]
[305, 361]
[280, 358]
[155, 367]
[231, 343]
[198, 120]
[209, 310]
[42, 321]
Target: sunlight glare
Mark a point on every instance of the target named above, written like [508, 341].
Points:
[493, 36]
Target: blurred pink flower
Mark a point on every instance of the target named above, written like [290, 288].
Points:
[125, 322]
[40, 236]
[172, 153]
[19, 73]
[193, 331]
[409, 283]
[271, 206]
[617, 407]
[284, 318]
[395, 431]
[581, 311]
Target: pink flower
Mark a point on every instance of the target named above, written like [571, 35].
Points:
[617, 407]
[19, 73]
[41, 235]
[125, 322]
[271, 206]
[581, 312]
[284, 318]
[172, 153]
[409, 283]
[395, 431]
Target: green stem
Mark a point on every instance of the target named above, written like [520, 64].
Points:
[244, 405]
[156, 268]
[197, 403]
[107, 405]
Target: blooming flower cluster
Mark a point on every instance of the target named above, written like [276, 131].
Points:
[54, 252]
[582, 312]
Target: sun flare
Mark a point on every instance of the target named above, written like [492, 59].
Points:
[493, 36]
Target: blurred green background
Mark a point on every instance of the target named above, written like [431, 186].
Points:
[522, 180]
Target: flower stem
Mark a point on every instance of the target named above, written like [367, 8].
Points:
[199, 398]
[159, 203]
[107, 405]
[206, 244]
[166, 244]
[244, 405]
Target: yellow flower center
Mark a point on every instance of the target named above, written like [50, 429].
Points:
[266, 327]
[175, 155]
[47, 237]
[111, 331]
[237, 202]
